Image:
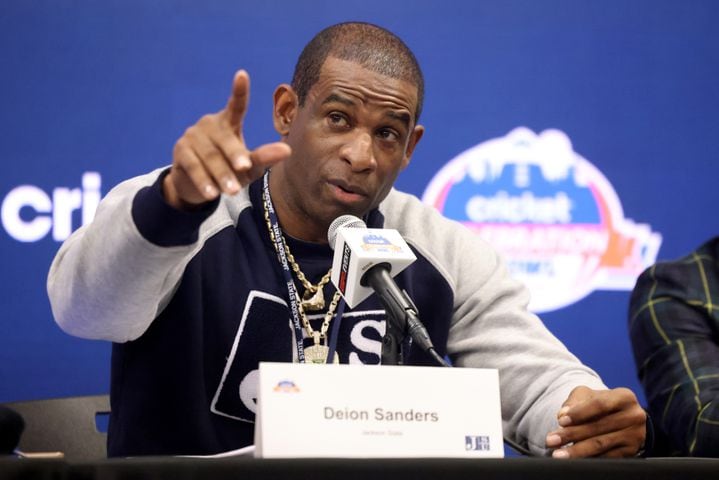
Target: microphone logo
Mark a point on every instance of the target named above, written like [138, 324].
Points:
[378, 243]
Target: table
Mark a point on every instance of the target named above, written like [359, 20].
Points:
[158, 468]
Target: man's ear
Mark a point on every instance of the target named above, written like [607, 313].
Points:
[414, 139]
[285, 108]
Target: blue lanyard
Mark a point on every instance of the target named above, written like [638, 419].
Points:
[335, 331]
[290, 284]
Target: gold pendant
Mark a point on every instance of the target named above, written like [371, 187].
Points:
[313, 301]
[317, 353]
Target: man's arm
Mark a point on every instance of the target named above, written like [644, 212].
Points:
[111, 278]
[674, 326]
[538, 375]
[108, 281]
[492, 328]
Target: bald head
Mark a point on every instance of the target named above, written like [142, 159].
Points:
[372, 47]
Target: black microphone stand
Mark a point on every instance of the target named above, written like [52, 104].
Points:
[393, 340]
[402, 318]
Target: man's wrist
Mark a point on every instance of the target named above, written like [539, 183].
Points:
[173, 199]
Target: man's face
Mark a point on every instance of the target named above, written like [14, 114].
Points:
[355, 132]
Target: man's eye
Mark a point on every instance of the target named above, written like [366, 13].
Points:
[337, 119]
[388, 134]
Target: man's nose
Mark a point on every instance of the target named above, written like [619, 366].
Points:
[358, 152]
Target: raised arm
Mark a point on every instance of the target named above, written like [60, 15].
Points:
[112, 278]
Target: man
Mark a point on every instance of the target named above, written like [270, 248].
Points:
[180, 269]
[674, 328]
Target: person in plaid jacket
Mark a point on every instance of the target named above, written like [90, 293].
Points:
[674, 330]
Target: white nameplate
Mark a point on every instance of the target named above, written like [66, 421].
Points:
[377, 411]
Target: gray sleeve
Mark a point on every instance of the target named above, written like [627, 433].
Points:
[492, 328]
[109, 282]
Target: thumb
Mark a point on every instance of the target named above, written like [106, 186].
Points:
[263, 158]
[270, 154]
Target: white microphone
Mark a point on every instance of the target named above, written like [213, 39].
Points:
[365, 260]
[357, 250]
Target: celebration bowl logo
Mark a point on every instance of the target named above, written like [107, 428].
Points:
[378, 243]
[552, 215]
[286, 386]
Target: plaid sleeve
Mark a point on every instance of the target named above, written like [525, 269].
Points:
[674, 330]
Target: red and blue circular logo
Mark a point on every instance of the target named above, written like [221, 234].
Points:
[553, 216]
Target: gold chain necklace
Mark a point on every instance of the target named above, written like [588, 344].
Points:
[318, 352]
[313, 298]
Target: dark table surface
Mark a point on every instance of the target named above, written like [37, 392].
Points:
[361, 469]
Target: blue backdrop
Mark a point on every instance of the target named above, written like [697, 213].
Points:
[109, 86]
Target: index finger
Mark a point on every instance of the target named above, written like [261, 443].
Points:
[237, 103]
[600, 404]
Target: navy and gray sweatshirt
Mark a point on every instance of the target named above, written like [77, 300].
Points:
[194, 301]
